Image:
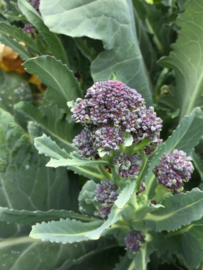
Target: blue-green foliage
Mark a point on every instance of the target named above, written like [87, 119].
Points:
[86, 193]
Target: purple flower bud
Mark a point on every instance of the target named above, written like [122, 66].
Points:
[106, 194]
[129, 166]
[153, 202]
[134, 240]
[174, 169]
[84, 143]
[108, 138]
[114, 110]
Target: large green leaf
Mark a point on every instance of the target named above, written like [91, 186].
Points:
[112, 218]
[126, 193]
[18, 34]
[185, 137]
[25, 217]
[15, 46]
[25, 181]
[179, 209]
[148, 51]
[52, 40]
[64, 231]
[87, 193]
[109, 21]
[51, 119]
[186, 59]
[62, 85]
[159, 26]
[49, 148]
[24, 252]
[14, 88]
[187, 244]
[197, 159]
[75, 162]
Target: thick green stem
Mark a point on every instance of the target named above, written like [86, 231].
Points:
[107, 175]
[161, 192]
[143, 171]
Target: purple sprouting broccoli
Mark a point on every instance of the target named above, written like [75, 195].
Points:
[128, 165]
[108, 103]
[120, 112]
[142, 188]
[106, 194]
[174, 169]
[134, 240]
[84, 143]
[108, 138]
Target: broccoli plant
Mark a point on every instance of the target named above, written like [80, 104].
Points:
[101, 135]
[140, 199]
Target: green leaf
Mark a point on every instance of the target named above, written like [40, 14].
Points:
[187, 61]
[25, 217]
[51, 119]
[62, 85]
[161, 29]
[185, 137]
[74, 162]
[25, 182]
[198, 163]
[125, 263]
[18, 34]
[122, 55]
[20, 253]
[15, 46]
[186, 243]
[14, 87]
[179, 209]
[64, 231]
[84, 46]
[88, 171]
[112, 218]
[51, 39]
[49, 148]
[87, 193]
[126, 193]
[147, 49]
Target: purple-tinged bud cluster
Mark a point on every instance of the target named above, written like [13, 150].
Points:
[174, 169]
[134, 240]
[115, 112]
[108, 138]
[106, 194]
[129, 165]
[148, 125]
[84, 143]
[142, 188]
[109, 102]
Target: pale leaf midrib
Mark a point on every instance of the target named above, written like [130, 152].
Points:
[164, 217]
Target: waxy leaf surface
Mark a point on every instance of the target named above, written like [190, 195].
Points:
[109, 21]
